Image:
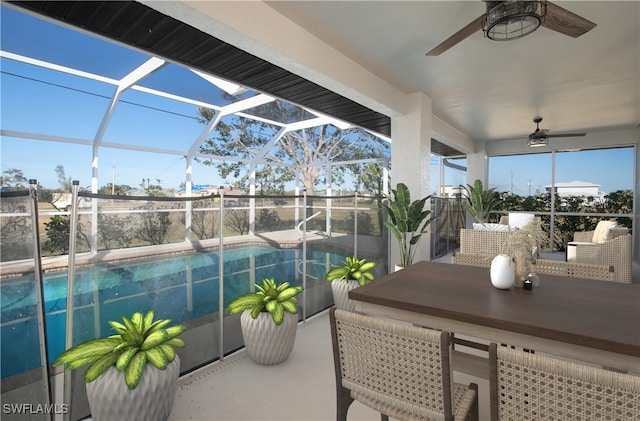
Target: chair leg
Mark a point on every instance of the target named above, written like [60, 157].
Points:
[344, 400]
[474, 414]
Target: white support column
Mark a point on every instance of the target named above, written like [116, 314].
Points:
[410, 160]
[328, 201]
[477, 169]
[188, 205]
[252, 201]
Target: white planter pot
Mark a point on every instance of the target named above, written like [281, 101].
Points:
[266, 342]
[503, 270]
[152, 400]
[340, 290]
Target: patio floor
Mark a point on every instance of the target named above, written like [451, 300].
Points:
[300, 389]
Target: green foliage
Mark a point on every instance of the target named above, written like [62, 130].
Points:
[269, 297]
[114, 231]
[480, 202]
[152, 189]
[620, 201]
[58, 230]
[353, 268]
[408, 222]
[117, 189]
[138, 341]
[268, 220]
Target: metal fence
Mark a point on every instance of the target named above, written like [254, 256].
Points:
[183, 258]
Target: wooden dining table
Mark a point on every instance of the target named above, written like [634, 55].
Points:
[581, 319]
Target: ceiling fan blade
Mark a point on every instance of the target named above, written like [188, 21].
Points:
[566, 22]
[567, 135]
[465, 32]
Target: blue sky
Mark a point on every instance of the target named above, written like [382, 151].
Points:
[41, 101]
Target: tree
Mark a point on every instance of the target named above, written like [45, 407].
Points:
[154, 227]
[204, 223]
[118, 189]
[306, 150]
[57, 229]
[238, 220]
[15, 229]
[114, 231]
[152, 189]
[14, 179]
[64, 181]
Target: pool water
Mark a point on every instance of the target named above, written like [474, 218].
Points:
[179, 287]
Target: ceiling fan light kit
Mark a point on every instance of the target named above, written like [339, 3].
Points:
[536, 143]
[509, 20]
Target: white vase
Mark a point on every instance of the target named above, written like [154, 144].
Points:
[503, 271]
[340, 290]
[265, 342]
[152, 400]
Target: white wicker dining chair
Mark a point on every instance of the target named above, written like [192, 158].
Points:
[399, 370]
[528, 387]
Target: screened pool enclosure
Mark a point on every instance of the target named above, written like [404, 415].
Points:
[190, 189]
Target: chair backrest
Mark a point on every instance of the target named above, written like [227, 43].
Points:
[482, 242]
[526, 386]
[471, 259]
[399, 365]
[573, 269]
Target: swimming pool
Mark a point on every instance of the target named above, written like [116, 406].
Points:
[180, 287]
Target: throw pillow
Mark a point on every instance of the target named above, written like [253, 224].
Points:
[601, 233]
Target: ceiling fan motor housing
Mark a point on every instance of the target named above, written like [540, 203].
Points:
[512, 19]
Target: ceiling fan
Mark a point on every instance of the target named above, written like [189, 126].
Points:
[513, 19]
[540, 137]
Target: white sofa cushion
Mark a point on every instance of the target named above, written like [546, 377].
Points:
[490, 227]
[519, 220]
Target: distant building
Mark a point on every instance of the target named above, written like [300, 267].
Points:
[451, 191]
[198, 190]
[577, 188]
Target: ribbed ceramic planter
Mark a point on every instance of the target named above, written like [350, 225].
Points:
[152, 400]
[340, 290]
[266, 342]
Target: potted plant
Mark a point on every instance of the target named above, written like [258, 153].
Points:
[479, 202]
[132, 374]
[352, 274]
[268, 320]
[408, 221]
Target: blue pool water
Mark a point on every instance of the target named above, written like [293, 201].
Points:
[180, 287]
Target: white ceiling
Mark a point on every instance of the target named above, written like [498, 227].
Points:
[492, 90]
